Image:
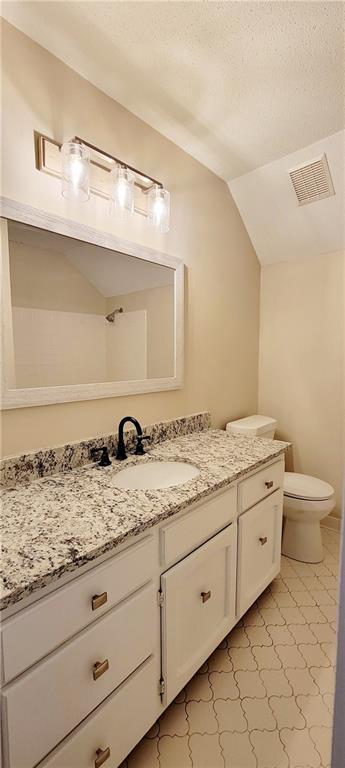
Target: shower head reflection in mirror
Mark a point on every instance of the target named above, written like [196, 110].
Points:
[111, 316]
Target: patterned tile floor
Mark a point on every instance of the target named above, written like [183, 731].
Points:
[264, 698]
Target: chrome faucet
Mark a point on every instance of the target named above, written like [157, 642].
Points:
[121, 450]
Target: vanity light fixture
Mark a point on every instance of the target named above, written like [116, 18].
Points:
[85, 169]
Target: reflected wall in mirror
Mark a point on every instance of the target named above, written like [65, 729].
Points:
[83, 315]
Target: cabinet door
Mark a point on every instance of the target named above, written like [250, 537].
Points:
[259, 547]
[198, 608]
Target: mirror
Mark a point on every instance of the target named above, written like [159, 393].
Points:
[83, 314]
[84, 320]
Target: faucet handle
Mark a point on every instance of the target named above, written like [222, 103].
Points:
[104, 461]
[139, 451]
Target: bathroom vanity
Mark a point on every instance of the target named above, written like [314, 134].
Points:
[93, 653]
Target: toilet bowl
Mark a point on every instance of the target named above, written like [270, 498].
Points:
[307, 500]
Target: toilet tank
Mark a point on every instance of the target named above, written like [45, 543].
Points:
[253, 426]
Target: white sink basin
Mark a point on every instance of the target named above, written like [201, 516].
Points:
[155, 474]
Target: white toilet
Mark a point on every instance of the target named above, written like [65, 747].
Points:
[307, 500]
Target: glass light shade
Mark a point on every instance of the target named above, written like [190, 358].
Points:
[75, 171]
[158, 210]
[122, 192]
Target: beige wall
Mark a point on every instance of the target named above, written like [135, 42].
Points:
[159, 305]
[222, 286]
[301, 372]
[49, 347]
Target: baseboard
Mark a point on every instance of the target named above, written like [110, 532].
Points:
[332, 522]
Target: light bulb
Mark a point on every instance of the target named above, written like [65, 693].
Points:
[158, 211]
[75, 171]
[122, 192]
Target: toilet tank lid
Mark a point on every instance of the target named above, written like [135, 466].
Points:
[306, 487]
[252, 425]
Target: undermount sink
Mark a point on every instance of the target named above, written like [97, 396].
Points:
[155, 474]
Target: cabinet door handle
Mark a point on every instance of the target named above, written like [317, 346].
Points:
[263, 540]
[98, 600]
[99, 668]
[205, 596]
[102, 756]
[269, 483]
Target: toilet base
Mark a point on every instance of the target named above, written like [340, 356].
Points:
[302, 541]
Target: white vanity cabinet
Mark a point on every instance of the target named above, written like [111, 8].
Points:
[89, 666]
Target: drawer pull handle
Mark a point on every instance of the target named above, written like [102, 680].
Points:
[205, 596]
[263, 540]
[102, 756]
[269, 483]
[99, 668]
[99, 600]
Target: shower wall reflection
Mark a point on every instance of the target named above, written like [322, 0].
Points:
[67, 325]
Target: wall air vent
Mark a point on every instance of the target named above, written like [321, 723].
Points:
[312, 181]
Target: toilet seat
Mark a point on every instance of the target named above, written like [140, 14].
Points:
[306, 487]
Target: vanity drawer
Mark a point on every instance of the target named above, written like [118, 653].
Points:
[260, 485]
[195, 527]
[38, 630]
[117, 725]
[47, 702]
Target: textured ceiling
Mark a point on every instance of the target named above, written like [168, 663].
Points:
[235, 84]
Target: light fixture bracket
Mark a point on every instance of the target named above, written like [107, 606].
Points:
[48, 160]
[142, 180]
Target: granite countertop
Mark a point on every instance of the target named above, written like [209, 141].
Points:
[54, 525]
